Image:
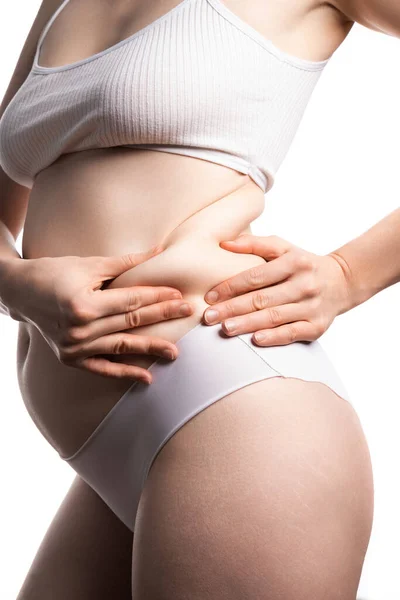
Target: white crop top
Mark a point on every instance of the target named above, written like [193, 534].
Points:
[197, 81]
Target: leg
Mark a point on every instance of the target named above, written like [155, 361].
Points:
[266, 494]
[85, 554]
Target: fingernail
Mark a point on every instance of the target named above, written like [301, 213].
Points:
[211, 315]
[230, 326]
[211, 297]
[169, 354]
[260, 337]
[184, 309]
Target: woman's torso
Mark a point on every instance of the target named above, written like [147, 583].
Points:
[111, 201]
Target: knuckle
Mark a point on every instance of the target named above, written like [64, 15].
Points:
[173, 307]
[298, 260]
[76, 334]
[319, 327]
[134, 299]
[168, 310]
[275, 316]
[254, 275]
[226, 289]
[127, 259]
[316, 305]
[260, 300]
[292, 332]
[148, 346]
[281, 244]
[303, 260]
[291, 259]
[132, 318]
[79, 311]
[229, 308]
[121, 345]
[310, 286]
[69, 306]
[151, 346]
[275, 238]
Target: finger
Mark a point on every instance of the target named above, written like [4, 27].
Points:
[286, 334]
[125, 299]
[112, 266]
[124, 343]
[155, 313]
[268, 247]
[255, 278]
[269, 317]
[102, 366]
[273, 295]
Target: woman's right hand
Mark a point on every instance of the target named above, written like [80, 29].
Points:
[62, 297]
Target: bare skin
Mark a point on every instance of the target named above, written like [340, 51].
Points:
[189, 231]
[268, 494]
[202, 198]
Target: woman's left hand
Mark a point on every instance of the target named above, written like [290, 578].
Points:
[298, 293]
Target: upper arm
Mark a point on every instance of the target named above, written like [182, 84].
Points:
[13, 196]
[379, 15]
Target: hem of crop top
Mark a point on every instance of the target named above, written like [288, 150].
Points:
[222, 9]
[216, 156]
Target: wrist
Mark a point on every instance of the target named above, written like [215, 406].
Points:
[353, 294]
[10, 269]
[7, 264]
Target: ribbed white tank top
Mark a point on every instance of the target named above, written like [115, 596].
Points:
[197, 81]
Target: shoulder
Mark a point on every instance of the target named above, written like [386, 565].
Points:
[26, 56]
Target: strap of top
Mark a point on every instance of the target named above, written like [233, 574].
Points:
[45, 30]
[38, 68]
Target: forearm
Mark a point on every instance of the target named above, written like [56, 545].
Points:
[8, 254]
[371, 262]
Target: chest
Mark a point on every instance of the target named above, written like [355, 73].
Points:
[79, 30]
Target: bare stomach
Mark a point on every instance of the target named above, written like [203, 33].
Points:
[110, 202]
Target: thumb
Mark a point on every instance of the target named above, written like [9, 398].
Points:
[241, 239]
[139, 257]
[239, 244]
[115, 265]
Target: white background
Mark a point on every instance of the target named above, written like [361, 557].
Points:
[339, 178]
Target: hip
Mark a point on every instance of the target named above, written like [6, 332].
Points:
[67, 403]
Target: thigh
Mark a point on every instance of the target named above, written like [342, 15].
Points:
[86, 553]
[266, 494]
